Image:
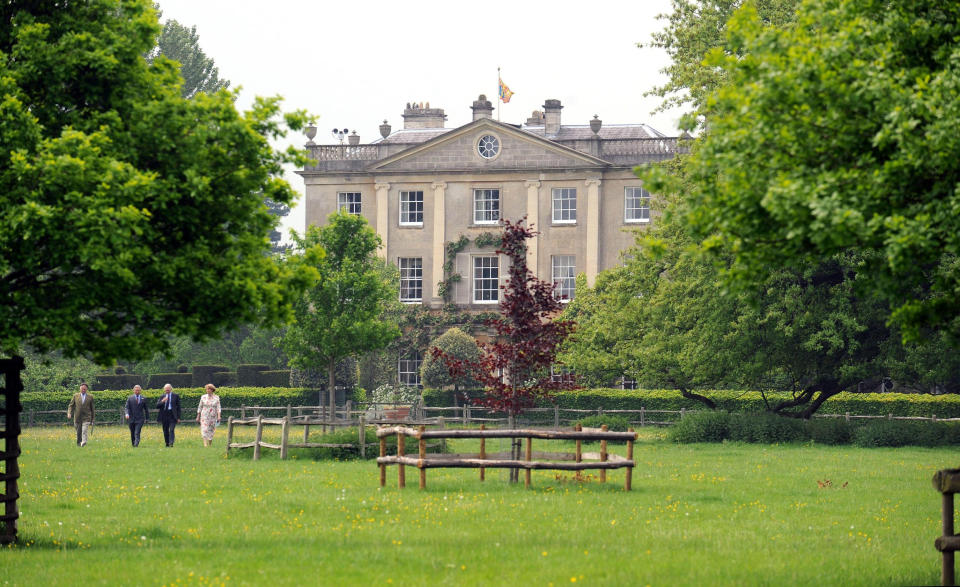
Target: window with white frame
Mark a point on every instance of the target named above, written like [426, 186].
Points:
[628, 383]
[411, 279]
[564, 205]
[486, 280]
[408, 368]
[636, 205]
[563, 270]
[411, 208]
[486, 206]
[349, 202]
[562, 374]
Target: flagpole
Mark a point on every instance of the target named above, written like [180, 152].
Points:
[498, 94]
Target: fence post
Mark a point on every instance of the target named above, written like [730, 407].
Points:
[483, 451]
[683, 412]
[256, 445]
[443, 426]
[243, 412]
[289, 411]
[603, 455]
[628, 481]
[363, 437]
[229, 433]
[383, 467]
[466, 414]
[529, 457]
[642, 414]
[847, 416]
[947, 482]
[422, 446]
[401, 473]
[579, 444]
[556, 416]
[284, 432]
[348, 406]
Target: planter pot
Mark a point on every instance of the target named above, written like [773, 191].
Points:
[398, 413]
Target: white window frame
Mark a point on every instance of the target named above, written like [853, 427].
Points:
[411, 279]
[563, 273]
[562, 374]
[408, 368]
[485, 279]
[411, 209]
[490, 212]
[628, 383]
[564, 205]
[351, 202]
[636, 204]
[488, 147]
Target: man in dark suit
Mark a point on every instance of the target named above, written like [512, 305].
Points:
[168, 413]
[135, 413]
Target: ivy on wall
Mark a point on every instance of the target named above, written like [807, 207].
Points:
[483, 240]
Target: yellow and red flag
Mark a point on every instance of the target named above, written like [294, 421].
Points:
[505, 92]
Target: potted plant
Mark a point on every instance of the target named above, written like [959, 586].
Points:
[396, 399]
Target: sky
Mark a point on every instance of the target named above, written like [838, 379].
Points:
[352, 64]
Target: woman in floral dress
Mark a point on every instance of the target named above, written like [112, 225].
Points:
[208, 414]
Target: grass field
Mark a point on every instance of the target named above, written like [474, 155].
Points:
[728, 514]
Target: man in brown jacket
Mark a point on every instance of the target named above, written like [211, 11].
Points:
[81, 410]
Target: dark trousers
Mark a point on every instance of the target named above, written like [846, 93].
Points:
[168, 426]
[135, 432]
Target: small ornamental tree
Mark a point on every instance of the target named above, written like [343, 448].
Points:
[453, 343]
[515, 369]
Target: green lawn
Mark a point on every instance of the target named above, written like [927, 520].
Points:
[707, 514]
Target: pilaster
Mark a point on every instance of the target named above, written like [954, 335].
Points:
[591, 263]
[383, 211]
[533, 217]
[439, 236]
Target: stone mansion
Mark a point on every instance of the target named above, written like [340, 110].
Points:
[425, 185]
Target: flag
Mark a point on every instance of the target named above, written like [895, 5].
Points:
[505, 92]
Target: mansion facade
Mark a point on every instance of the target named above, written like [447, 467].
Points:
[436, 195]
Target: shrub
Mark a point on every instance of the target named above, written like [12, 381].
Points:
[183, 368]
[900, 433]
[393, 393]
[766, 429]
[701, 427]
[829, 431]
[177, 380]
[350, 436]
[279, 378]
[617, 423]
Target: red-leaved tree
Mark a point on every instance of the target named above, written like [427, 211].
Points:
[515, 369]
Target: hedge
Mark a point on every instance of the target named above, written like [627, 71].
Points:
[230, 397]
[863, 404]
[247, 374]
[124, 381]
[177, 380]
[204, 374]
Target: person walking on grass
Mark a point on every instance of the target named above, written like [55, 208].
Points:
[135, 413]
[168, 413]
[81, 410]
[208, 413]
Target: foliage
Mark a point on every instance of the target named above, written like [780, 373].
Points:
[900, 433]
[128, 214]
[341, 313]
[181, 44]
[454, 343]
[701, 427]
[450, 277]
[54, 372]
[395, 394]
[515, 369]
[693, 29]
[350, 437]
[839, 133]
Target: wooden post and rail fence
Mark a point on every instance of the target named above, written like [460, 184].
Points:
[603, 461]
[285, 423]
[947, 482]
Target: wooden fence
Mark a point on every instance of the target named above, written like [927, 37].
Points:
[603, 461]
[947, 482]
[10, 407]
[285, 423]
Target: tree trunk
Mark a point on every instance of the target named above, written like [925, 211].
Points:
[332, 387]
[700, 398]
[514, 448]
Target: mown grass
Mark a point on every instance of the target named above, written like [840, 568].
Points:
[728, 514]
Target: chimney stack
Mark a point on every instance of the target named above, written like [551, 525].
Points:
[482, 108]
[551, 115]
[421, 115]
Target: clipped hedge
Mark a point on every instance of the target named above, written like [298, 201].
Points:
[177, 380]
[247, 374]
[230, 397]
[204, 374]
[121, 381]
[279, 378]
[863, 404]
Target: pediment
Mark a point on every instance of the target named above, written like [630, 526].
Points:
[458, 150]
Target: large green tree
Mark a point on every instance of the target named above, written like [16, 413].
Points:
[128, 214]
[341, 314]
[840, 133]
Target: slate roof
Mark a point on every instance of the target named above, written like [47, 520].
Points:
[607, 131]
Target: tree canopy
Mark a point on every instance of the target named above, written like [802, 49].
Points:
[840, 133]
[341, 314]
[128, 214]
[182, 44]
